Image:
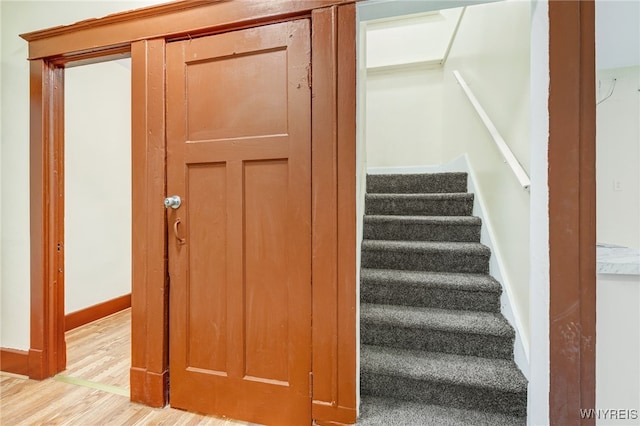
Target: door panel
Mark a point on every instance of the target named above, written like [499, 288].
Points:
[238, 153]
[266, 283]
[207, 340]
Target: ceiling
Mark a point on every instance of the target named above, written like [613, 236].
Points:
[617, 24]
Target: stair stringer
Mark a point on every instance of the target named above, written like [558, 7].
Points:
[496, 268]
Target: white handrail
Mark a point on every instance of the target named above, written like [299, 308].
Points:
[508, 156]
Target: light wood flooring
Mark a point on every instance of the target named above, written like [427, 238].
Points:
[98, 357]
[101, 351]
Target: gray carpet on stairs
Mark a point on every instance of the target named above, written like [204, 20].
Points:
[422, 183]
[421, 228]
[375, 411]
[445, 290]
[482, 334]
[435, 348]
[436, 256]
[419, 204]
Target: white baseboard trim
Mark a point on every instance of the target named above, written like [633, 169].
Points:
[406, 170]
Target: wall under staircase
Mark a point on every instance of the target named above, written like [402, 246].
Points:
[433, 342]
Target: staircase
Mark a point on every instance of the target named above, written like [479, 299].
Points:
[435, 348]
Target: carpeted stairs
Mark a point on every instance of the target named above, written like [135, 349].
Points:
[435, 348]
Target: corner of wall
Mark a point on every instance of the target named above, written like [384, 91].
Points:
[538, 404]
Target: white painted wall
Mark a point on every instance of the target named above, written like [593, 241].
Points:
[361, 171]
[618, 206]
[1, 304]
[404, 88]
[19, 17]
[411, 39]
[617, 33]
[491, 51]
[538, 395]
[618, 156]
[618, 346]
[97, 183]
[404, 117]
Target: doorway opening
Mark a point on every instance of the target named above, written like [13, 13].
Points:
[97, 224]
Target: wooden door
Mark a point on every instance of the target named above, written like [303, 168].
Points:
[238, 154]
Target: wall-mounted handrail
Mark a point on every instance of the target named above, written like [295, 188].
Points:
[504, 149]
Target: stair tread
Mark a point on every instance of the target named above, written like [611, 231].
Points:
[427, 246]
[445, 220]
[453, 280]
[421, 196]
[483, 373]
[379, 411]
[473, 322]
[418, 182]
[420, 204]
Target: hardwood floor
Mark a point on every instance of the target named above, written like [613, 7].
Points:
[98, 357]
[101, 351]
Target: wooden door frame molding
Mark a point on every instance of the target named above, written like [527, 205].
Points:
[47, 352]
[143, 34]
[572, 211]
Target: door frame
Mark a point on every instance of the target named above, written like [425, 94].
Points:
[572, 211]
[142, 34]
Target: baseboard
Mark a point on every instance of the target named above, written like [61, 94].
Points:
[496, 269]
[455, 165]
[14, 361]
[403, 170]
[95, 312]
[149, 388]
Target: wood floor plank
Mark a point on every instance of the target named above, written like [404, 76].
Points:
[97, 352]
[101, 351]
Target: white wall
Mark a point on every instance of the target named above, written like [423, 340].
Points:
[1, 304]
[618, 156]
[618, 204]
[618, 345]
[404, 88]
[617, 34]
[538, 395]
[19, 17]
[491, 51]
[403, 121]
[411, 39]
[97, 183]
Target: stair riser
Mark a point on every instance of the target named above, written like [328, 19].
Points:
[412, 184]
[445, 394]
[418, 207]
[442, 298]
[421, 232]
[484, 346]
[436, 261]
